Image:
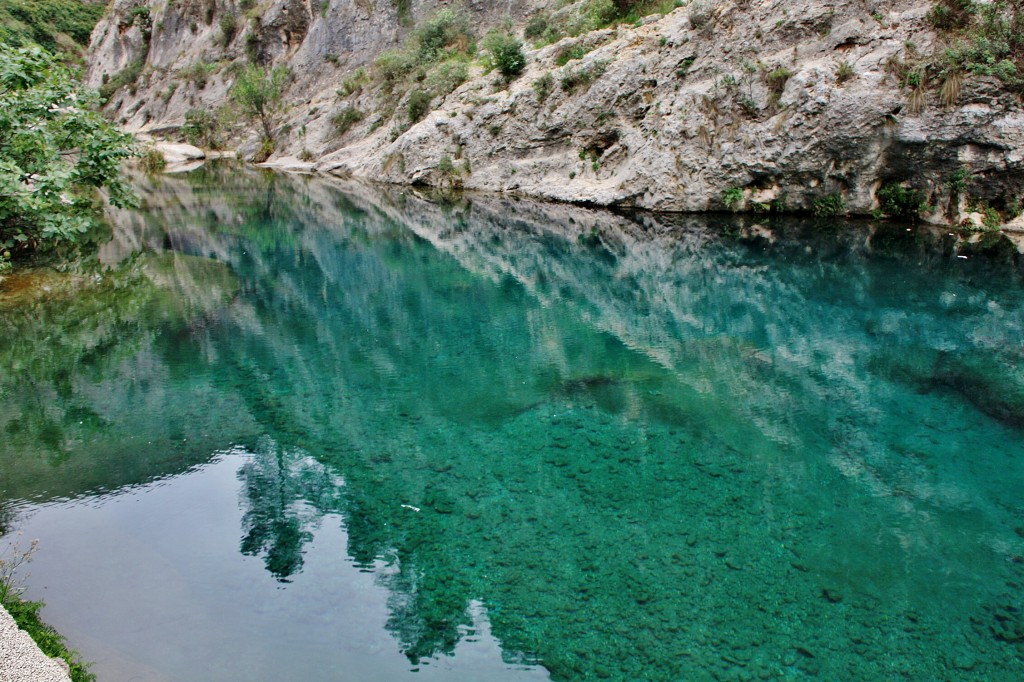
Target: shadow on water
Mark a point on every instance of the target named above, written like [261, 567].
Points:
[650, 446]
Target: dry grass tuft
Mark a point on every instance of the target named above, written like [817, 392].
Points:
[950, 90]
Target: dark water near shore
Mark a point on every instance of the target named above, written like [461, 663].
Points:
[302, 430]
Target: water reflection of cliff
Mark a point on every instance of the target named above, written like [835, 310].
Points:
[88, 367]
[633, 441]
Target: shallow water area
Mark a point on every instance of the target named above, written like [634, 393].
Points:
[194, 607]
[310, 429]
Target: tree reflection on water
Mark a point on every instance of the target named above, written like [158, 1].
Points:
[285, 494]
[644, 445]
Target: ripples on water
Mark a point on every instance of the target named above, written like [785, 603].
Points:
[306, 430]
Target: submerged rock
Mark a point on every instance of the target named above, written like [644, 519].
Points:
[991, 382]
[1008, 624]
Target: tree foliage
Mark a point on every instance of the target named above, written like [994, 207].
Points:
[505, 54]
[446, 32]
[54, 24]
[56, 152]
[258, 93]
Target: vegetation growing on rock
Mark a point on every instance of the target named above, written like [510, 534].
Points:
[705, 97]
[258, 93]
[982, 38]
[52, 24]
[901, 202]
[506, 54]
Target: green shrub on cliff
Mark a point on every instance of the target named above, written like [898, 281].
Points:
[986, 39]
[948, 15]
[433, 61]
[732, 198]
[345, 119]
[584, 76]
[546, 27]
[418, 105]
[53, 24]
[202, 128]
[447, 76]
[228, 28]
[829, 206]
[901, 202]
[443, 34]
[505, 53]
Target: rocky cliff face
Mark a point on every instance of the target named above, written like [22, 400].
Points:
[797, 105]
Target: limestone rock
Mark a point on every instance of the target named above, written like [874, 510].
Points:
[179, 152]
[676, 111]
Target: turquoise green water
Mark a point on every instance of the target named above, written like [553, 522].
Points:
[299, 430]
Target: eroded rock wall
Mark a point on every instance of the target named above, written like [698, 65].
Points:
[726, 105]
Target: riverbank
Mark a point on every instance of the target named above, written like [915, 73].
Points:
[21, 659]
[968, 240]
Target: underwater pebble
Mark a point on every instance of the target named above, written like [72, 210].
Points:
[831, 595]
[964, 662]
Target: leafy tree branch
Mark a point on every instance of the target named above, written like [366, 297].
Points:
[56, 153]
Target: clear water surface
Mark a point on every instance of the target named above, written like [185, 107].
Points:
[301, 429]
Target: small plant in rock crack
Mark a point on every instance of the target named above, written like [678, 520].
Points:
[829, 206]
[776, 80]
[845, 72]
[543, 86]
[732, 198]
